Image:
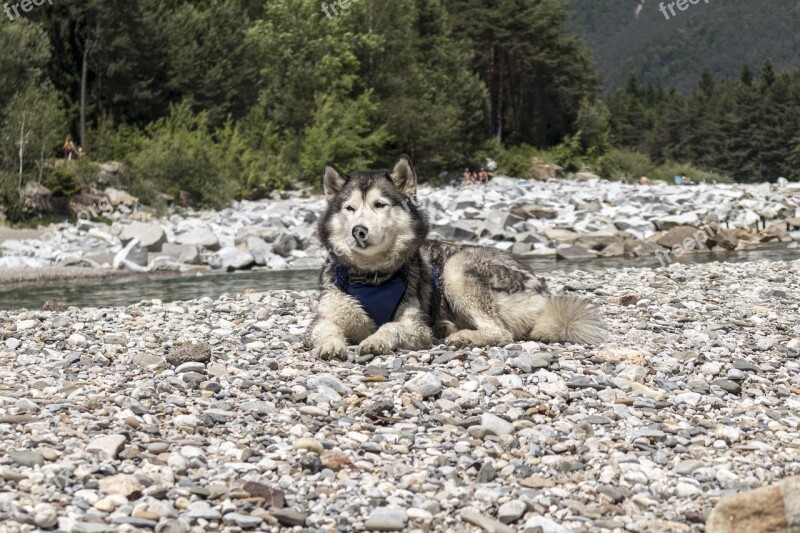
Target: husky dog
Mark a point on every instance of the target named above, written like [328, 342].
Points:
[386, 286]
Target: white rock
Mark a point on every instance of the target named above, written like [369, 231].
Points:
[511, 511]
[425, 384]
[108, 446]
[496, 425]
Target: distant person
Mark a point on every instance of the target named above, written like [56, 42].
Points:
[678, 180]
[624, 179]
[69, 149]
[483, 177]
[81, 152]
[467, 177]
[644, 180]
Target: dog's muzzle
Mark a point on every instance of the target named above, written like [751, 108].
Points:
[360, 235]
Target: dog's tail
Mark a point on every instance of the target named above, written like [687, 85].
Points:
[568, 318]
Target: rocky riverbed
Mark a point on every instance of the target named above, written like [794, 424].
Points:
[210, 414]
[569, 219]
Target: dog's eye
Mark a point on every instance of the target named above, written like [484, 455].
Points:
[380, 205]
[350, 208]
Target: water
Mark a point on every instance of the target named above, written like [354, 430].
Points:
[172, 287]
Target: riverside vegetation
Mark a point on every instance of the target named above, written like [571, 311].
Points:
[450, 82]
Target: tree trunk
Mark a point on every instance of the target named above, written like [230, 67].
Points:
[490, 86]
[21, 154]
[500, 103]
[84, 76]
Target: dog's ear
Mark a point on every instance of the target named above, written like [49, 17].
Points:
[404, 177]
[333, 180]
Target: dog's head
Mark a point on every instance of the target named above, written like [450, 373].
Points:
[372, 222]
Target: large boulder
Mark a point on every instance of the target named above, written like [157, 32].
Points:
[687, 237]
[545, 171]
[151, 235]
[771, 509]
[724, 238]
[574, 252]
[460, 230]
[561, 236]
[672, 221]
[527, 211]
[182, 253]
[265, 233]
[86, 206]
[234, 259]
[284, 244]
[598, 240]
[36, 198]
[259, 249]
[118, 197]
[201, 236]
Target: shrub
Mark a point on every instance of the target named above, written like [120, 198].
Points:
[61, 181]
[517, 160]
[619, 162]
[342, 132]
[179, 154]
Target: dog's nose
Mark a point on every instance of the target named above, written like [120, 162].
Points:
[360, 235]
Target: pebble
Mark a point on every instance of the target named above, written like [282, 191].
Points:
[511, 511]
[644, 432]
[107, 446]
[496, 425]
[386, 519]
[242, 520]
[424, 384]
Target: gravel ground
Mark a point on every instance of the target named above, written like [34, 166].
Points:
[694, 396]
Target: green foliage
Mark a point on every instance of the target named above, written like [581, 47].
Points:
[341, 132]
[24, 56]
[61, 181]
[742, 128]
[536, 73]
[633, 165]
[180, 154]
[31, 131]
[517, 160]
[571, 154]
[673, 53]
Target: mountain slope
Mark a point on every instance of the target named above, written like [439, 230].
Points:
[634, 37]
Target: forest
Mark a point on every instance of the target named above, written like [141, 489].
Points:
[236, 99]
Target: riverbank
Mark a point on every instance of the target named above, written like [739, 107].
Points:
[563, 219]
[694, 396]
[10, 277]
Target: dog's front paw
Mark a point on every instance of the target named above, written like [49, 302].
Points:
[376, 344]
[330, 348]
[463, 339]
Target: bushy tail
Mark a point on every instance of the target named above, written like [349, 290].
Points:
[569, 318]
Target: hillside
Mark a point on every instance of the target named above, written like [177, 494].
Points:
[634, 37]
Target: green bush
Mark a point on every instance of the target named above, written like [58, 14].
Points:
[61, 181]
[179, 154]
[342, 131]
[517, 160]
[620, 162]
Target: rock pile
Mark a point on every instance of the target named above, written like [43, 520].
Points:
[566, 219]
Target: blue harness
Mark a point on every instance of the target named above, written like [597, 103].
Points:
[381, 301]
